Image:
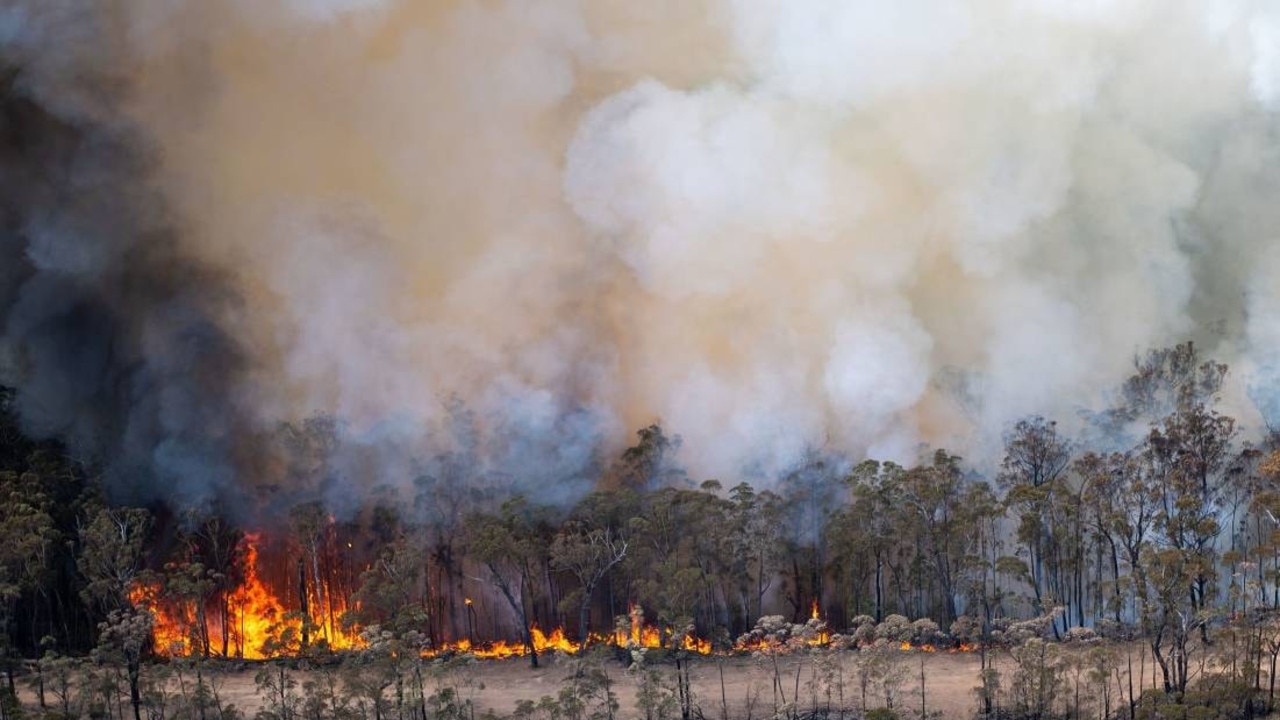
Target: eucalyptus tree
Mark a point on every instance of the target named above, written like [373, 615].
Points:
[932, 512]
[589, 554]
[510, 547]
[812, 489]
[1033, 476]
[27, 534]
[664, 540]
[868, 526]
[113, 553]
[753, 533]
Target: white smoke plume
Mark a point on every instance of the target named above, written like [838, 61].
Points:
[772, 224]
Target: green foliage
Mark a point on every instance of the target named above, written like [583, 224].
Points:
[1213, 701]
[278, 692]
[655, 694]
[1038, 678]
[650, 463]
[589, 554]
[386, 596]
[587, 692]
[882, 674]
[113, 554]
[325, 698]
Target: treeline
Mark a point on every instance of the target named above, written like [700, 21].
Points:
[1155, 521]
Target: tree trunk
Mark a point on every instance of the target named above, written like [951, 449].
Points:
[1271, 691]
[135, 696]
[226, 622]
[1115, 574]
[879, 587]
[1165, 672]
[517, 607]
[302, 602]
[924, 708]
[202, 621]
[584, 616]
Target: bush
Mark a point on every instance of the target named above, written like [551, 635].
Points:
[1213, 699]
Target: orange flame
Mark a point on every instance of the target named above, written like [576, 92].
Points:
[168, 631]
[502, 649]
[255, 612]
[254, 617]
[813, 610]
[649, 636]
[636, 635]
[260, 626]
[925, 648]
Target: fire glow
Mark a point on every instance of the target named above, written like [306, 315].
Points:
[257, 625]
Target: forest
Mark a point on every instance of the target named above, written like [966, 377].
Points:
[1152, 530]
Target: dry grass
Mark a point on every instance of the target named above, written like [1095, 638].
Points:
[950, 680]
[747, 688]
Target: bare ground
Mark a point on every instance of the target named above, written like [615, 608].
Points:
[747, 688]
[746, 692]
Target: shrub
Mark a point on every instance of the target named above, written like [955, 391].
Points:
[1210, 700]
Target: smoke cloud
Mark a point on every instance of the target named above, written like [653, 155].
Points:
[775, 225]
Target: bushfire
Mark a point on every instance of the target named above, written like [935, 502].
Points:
[253, 622]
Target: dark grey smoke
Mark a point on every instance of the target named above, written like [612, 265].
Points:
[110, 337]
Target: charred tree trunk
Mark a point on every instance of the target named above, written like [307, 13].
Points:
[584, 617]
[517, 607]
[225, 611]
[303, 603]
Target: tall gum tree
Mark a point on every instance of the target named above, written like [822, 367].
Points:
[1032, 475]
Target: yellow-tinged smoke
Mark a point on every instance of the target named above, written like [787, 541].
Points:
[773, 224]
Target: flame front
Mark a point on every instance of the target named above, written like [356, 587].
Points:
[168, 631]
[255, 611]
[257, 624]
[260, 626]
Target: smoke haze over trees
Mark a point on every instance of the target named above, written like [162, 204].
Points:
[1168, 539]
